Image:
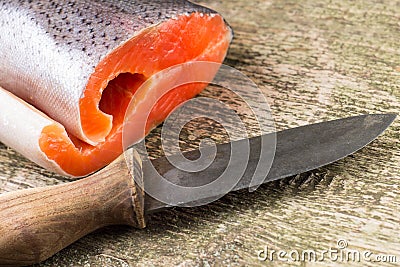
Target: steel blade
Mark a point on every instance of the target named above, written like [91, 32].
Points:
[298, 150]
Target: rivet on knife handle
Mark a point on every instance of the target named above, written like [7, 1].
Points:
[36, 223]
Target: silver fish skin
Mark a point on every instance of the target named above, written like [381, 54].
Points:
[49, 49]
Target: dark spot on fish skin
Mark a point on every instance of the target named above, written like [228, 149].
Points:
[95, 27]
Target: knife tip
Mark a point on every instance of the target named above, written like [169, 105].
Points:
[388, 117]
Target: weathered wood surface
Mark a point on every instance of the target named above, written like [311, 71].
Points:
[314, 60]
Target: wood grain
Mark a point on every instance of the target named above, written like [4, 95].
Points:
[314, 60]
[38, 222]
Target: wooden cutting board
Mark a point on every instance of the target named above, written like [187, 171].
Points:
[314, 60]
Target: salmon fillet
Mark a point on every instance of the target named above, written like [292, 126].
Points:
[68, 70]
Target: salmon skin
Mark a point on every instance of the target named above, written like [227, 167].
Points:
[72, 67]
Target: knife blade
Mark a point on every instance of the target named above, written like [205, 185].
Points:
[37, 223]
[298, 150]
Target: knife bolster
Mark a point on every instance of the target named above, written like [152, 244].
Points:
[134, 163]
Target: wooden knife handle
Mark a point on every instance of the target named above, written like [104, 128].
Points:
[37, 223]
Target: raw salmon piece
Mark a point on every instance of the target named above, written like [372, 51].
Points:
[73, 66]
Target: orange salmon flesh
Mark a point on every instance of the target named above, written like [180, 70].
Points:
[194, 37]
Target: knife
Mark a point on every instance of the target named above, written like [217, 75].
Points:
[37, 223]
